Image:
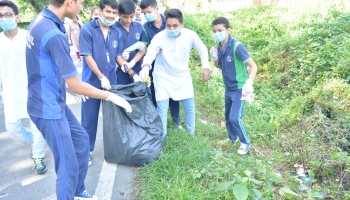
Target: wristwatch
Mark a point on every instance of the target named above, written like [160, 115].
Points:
[132, 74]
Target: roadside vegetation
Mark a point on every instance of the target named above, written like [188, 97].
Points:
[300, 115]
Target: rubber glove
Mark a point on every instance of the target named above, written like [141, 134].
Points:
[125, 55]
[214, 53]
[137, 78]
[119, 101]
[144, 73]
[105, 83]
[248, 87]
[130, 65]
[78, 97]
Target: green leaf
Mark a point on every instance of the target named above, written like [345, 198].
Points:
[284, 190]
[257, 193]
[240, 192]
[335, 155]
[223, 186]
[256, 181]
[317, 194]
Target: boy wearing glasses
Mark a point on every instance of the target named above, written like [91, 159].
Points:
[14, 80]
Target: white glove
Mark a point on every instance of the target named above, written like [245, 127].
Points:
[130, 65]
[248, 87]
[137, 78]
[119, 101]
[78, 97]
[144, 73]
[141, 47]
[214, 53]
[125, 55]
[105, 83]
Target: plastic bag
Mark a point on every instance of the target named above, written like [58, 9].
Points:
[134, 138]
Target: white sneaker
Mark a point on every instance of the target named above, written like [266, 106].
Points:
[243, 149]
[90, 159]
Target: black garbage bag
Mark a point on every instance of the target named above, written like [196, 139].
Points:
[134, 138]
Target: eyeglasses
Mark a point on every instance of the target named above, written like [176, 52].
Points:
[6, 15]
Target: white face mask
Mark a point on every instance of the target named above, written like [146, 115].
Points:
[96, 17]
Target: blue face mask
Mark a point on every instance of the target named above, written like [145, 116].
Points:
[173, 33]
[8, 24]
[104, 21]
[150, 17]
[219, 36]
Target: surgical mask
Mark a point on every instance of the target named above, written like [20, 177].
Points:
[137, 17]
[8, 24]
[96, 17]
[219, 36]
[105, 22]
[150, 17]
[173, 33]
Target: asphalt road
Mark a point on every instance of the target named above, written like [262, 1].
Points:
[18, 180]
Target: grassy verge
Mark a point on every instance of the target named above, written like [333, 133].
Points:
[300, 114]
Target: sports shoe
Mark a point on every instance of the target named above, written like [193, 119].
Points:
[85, 195]
[243, 149]
[179, 126]
[39, 165]
[90, 159]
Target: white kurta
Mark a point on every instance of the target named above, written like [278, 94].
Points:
[171, 74]
[14, 76]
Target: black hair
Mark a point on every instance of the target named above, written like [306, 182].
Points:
[174, 13]
[111, 3]
[94, 8]
[145, 3]
[57, 3]
[221, 20]
[9, 4]
[126, 7]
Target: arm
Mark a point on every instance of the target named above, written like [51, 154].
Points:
[92, 65]
[139, 54]
[152, 51]
[253, 69]
[80, 87]
[203, 53]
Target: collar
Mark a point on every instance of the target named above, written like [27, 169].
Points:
[163, 21]
[229, 42]
[49, 14]
[95, 24]
[117, 23]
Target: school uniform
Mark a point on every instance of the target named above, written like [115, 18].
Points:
[48, 64]
[129, 38]
[235, 74]
[104, 52]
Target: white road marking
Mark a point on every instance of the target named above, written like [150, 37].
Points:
[105, 183]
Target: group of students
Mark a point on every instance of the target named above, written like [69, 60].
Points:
[104, 42]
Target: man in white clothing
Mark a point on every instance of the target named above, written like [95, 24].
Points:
[14, 80]
[171, 49]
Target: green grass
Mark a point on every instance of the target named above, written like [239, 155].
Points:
[300, 113]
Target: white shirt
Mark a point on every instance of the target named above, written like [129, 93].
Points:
[171, 74]
[14, 76]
